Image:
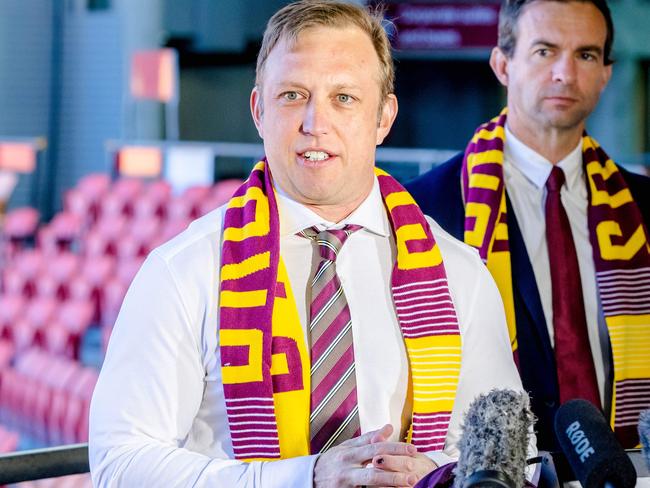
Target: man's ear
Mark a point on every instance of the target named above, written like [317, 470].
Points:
[257, 109]
[387, 117]
[499, 64]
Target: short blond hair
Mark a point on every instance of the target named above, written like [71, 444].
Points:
[292, 19]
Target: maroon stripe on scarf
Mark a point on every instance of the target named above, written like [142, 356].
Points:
[430, 430]
[243, 413]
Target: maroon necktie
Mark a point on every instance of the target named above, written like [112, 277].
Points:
[575, 365]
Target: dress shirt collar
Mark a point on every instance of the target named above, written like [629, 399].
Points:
[536, 168]
[296, 217]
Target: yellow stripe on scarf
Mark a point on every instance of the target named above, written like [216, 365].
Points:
[291, 407]
[435, 368]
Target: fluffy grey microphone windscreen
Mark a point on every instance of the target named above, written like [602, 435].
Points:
[494, 439]
[644, 434]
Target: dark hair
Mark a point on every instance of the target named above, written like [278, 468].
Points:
[511, 11]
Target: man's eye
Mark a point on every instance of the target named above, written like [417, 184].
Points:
[290, 96]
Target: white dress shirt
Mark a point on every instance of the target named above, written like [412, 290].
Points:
[525, 172]
[158, 415]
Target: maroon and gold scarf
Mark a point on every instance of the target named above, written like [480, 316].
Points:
[621, 253]
[264, 359]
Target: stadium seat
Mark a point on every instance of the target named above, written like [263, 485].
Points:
[112, 299]
[7, 352]
[40, 311]
[124, 193]
[62, 233]
[23, 335]
[105, 236]
[152, 204]
[55, 280]
[58, 375]
[8, 440]
[58, 340]
[188, 205]
[224, 189]
[20, 223]
[172, 227]
[20, 276]
[95, 184]
[96, 272]
[83, 200]
[12, 307]
[30, 367]
[219, 195]
[75, 420]
[75, 317]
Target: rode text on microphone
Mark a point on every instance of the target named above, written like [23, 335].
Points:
[594, 454]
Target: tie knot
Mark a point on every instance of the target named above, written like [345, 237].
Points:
[330, 241]
[555, 179]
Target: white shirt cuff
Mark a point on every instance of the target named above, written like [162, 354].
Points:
[439, 457]
[295, 472]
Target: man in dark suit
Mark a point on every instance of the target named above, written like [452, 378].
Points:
[563, 230]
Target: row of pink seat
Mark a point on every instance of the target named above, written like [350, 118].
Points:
[60, 278]
[101, 212]
[89, 253]
[8, 439]
[72, 481]
[47, 397]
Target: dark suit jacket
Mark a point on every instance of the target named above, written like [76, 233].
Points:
[438, 192]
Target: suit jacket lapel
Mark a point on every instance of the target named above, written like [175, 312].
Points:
[524, 283]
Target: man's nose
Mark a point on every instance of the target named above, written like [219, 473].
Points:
[564, 69]
[316, 119]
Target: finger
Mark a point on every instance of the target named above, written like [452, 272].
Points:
[366, 438]
[364, 454]
[404, 464]
[376, 478]
[382, 434]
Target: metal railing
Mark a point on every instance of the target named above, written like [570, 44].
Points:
[38, 464]
[58, 461]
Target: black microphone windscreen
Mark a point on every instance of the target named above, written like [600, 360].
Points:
[644, 434]
[589, 444]
[494, 440]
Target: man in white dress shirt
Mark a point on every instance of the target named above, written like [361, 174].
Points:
[544, 205]
[167, 410]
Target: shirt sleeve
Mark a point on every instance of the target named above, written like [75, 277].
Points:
[148, 393]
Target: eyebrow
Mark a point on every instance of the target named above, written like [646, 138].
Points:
[346, 86]
[587, 47]
[288, 85]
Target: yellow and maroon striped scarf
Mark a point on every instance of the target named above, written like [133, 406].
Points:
[264, 359]
[621, 255]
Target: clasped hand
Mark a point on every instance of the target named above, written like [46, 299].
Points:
[370, 460]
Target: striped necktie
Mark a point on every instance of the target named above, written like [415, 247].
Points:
[334, 410]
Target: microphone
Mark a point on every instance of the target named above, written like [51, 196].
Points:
[494, 441]
[644, 434]
[594, 454]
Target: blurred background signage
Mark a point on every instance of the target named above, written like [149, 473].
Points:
[433, 26]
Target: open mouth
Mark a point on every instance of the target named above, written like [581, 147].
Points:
[315, 156]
